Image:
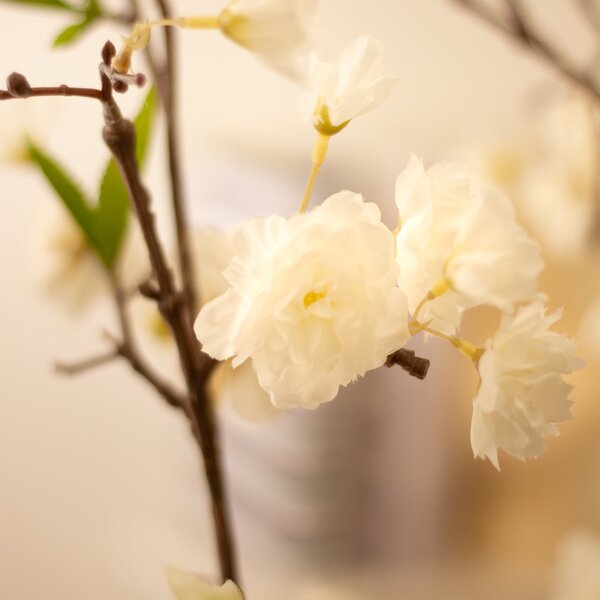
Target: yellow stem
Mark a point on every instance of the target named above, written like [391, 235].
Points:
[188, 22]
[318, 158]
[465, 347]
[438, 289]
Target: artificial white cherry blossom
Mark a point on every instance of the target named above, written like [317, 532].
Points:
[273, 29]
[522, 392]
[189, 586]
[354, 85]
[459, 242]
[312, 301]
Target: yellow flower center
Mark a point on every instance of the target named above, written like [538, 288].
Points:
[312, 297]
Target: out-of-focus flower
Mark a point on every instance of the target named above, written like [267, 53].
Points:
[21, 123]
[558, 190]
[550, 170]
[340, 92]
[63, 263]
[312, 301]
[577, 574]
[460, 243]
[188, 586]
[276, 30]
[522, 393]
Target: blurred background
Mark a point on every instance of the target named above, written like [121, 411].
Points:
[377, 492]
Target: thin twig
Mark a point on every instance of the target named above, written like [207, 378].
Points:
[523, 32]
[87, 364]
[165, 77]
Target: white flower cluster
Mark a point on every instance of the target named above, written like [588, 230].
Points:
[459, 246]
[317, 300]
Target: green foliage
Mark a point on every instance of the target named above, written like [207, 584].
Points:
[46, 4]
[91, 12]
[87, 14]
[105, 223]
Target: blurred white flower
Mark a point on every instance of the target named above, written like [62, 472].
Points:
[356, 84]
[20, 122]
[550, 170]
[558, 188]
[276, 30]
[577, 575]
[64, 266]
[313, 301]
[522, 392]
[188, 586]
[462, 241]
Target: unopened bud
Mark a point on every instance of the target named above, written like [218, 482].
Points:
[108, 52]
[120, 86]
[18, 86]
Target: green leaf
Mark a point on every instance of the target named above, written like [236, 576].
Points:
[143, 125]
[71, 33]
[46, 4]
[113, 202]
[72, 197]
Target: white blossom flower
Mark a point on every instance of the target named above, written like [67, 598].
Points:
[276, 30]
[462, 237]
[522, 393]
[578, 567]
[188, 586]
[356, 84]
[313, 301]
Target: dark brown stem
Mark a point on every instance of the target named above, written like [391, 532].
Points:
[127, 348]
[519, 28]
[61, 90]
[414, 365]
[119, 135]
[167, 83]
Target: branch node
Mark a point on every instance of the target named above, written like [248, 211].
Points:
[414, 365]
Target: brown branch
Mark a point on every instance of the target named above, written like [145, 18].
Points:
[119, 135]
[18, 88]
[522, 31]
[168, 89]
[87, 364]
[414, 365]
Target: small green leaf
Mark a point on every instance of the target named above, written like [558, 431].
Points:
[72, 197]
[46, 4]
[71, 33]
[143, 125]
[113, 201]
